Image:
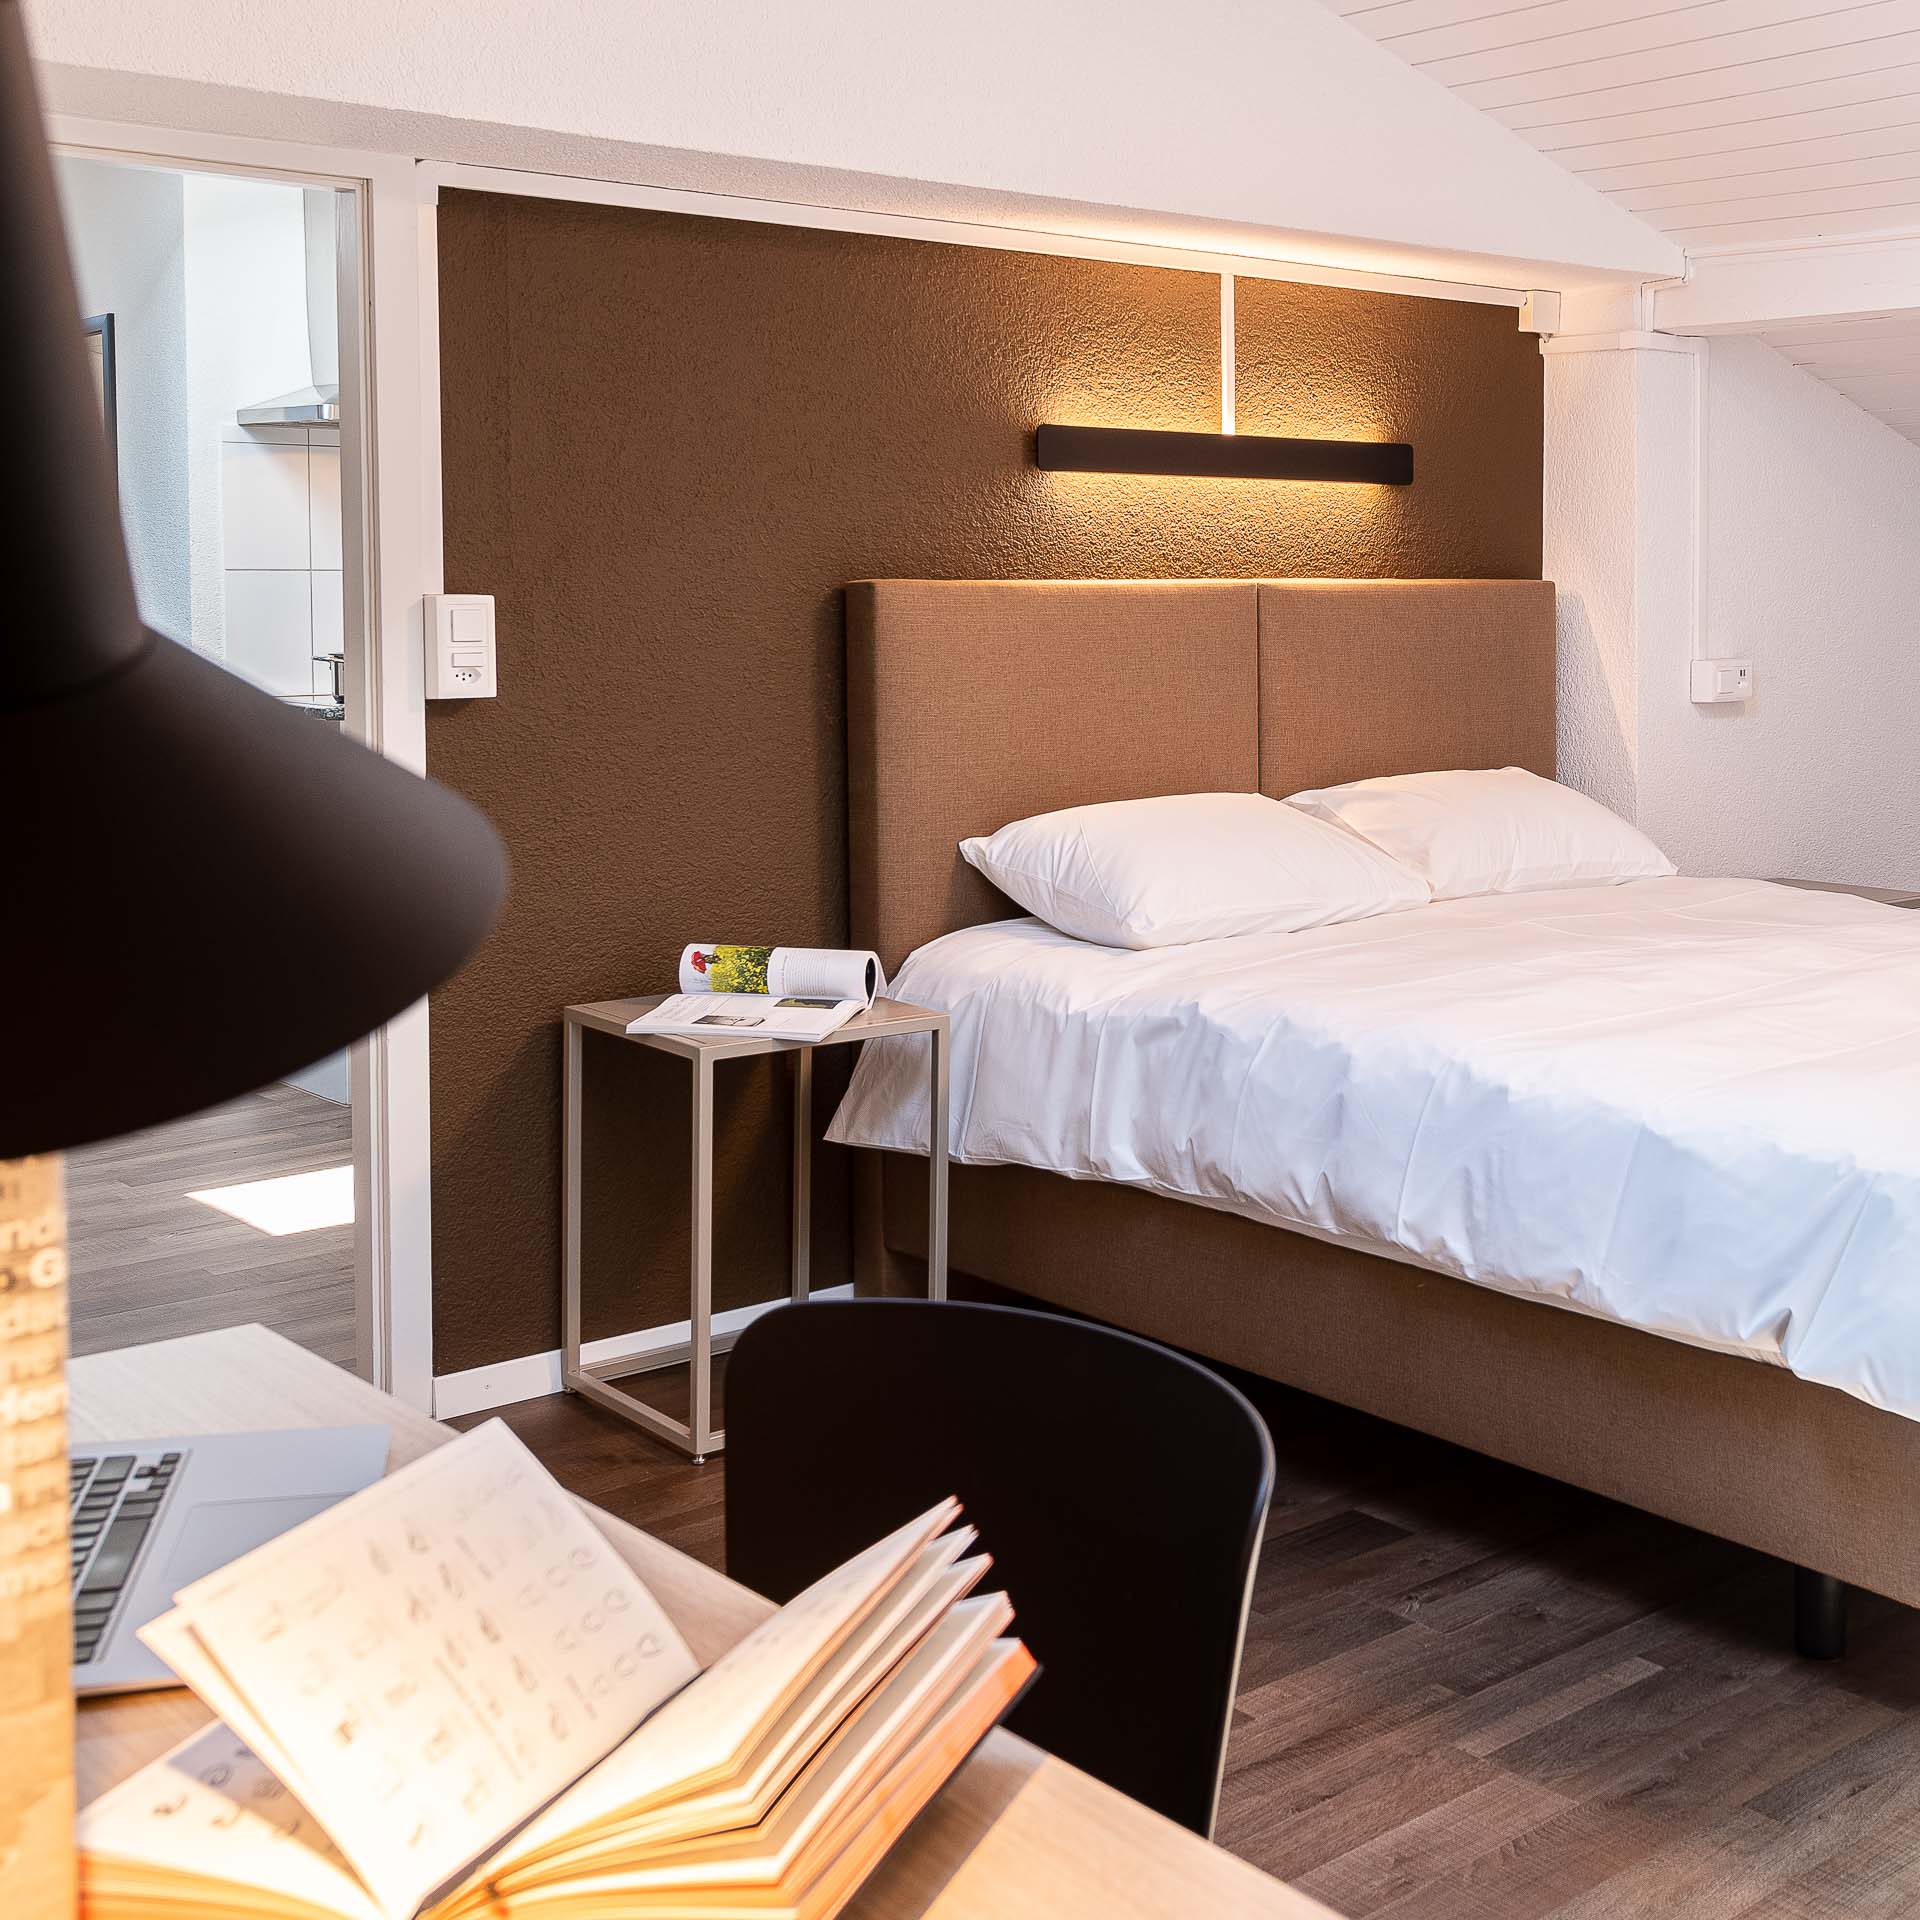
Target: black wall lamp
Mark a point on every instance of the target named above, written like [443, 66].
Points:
[1221, 456]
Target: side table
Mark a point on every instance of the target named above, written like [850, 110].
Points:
[697, 1436]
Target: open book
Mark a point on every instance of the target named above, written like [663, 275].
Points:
[451, 1695]
[771, 993]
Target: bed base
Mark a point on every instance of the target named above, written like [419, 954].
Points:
[972, 703]
[1732, 1446]
[1819, 1615]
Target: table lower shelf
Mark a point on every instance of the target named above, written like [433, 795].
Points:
[594, 1380]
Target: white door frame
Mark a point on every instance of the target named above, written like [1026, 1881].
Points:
[386, 695]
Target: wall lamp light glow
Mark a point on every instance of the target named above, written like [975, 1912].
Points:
[1221, 456]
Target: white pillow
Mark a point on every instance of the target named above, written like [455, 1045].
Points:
[1191, 866]
[1494, 832]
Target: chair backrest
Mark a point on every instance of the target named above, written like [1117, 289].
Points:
[1120, 1488]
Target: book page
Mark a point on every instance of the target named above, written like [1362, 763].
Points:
[869, 1743]
[711, 1730]
[211, 1809]
[647, 1768]
[173, 1640]
[437, 1657]
[745, 1016]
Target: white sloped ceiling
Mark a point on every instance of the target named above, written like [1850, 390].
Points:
[1729, 125]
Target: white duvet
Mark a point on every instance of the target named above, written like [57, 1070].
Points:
[1689, 1105]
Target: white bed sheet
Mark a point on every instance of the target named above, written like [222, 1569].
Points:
[1689, 1105]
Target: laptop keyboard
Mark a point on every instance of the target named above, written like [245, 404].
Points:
[114, 1503]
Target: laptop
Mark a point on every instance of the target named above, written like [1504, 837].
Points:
[150, 1516]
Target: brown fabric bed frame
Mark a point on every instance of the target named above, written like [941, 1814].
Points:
[972, 703]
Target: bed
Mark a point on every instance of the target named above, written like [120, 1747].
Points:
[1289, 1153]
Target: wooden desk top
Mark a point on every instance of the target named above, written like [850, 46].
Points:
[1017, 1833]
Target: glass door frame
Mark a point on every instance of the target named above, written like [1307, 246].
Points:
[390, 450]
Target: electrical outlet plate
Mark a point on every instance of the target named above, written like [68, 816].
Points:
[460, 656]
[1716, 682]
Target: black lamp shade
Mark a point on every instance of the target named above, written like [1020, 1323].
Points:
[205, 889]
[208, 890]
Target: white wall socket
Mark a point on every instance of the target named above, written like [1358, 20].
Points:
[460, 663]
[1717, 681]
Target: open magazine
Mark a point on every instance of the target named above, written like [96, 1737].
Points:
[450, 1695]
[770, 993]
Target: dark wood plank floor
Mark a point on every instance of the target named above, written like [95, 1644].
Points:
[1472, 1694]
[150, 1263]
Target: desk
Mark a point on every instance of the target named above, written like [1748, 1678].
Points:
[1016, 1833]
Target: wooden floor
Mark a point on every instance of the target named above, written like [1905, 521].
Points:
[149, 1263]
[1472, 1694]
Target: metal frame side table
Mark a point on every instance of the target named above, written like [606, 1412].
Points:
[697, 1436]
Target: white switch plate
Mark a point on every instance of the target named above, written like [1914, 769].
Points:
[460, 664]
[1717, 681]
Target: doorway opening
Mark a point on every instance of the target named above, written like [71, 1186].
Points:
[214, 303]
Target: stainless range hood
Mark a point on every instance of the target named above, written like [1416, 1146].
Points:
[303, 407]
[316, 405]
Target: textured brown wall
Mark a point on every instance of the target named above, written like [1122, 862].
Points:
[668, 441]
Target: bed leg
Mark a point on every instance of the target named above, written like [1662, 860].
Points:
[1819, 1615]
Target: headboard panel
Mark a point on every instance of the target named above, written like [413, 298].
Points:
[1360, 678]
[974, 702]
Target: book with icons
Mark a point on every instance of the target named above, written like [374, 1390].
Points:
[451, 1696]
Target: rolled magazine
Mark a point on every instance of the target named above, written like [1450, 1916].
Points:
[765, 993]
[806, 973]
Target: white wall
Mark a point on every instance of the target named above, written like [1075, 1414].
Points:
[1812, 568]
[1275, 120]
[1590, 551]
[124, 230]
[233, 532]
[1813, 521]
[266, 501]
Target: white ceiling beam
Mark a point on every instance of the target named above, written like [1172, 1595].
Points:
[1752, 291]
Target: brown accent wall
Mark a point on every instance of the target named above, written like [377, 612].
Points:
[668, 442]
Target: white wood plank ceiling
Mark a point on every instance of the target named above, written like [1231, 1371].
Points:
[1723, 122]
[1874, 361]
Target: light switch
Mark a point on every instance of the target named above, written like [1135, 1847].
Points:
[460, 649]
[1714, 682]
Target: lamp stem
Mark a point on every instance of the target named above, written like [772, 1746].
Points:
[36, 1608]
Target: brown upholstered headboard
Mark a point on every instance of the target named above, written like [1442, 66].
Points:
[974, 702]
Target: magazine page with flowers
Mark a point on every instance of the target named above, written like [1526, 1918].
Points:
[768, 993]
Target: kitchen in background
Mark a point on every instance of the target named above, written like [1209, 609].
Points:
[222, 385]
[224, 302]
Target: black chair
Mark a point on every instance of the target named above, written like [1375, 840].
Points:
[1120, 1488]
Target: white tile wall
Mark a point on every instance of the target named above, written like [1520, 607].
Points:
[270, 628]
[265, 507]
[323, 514]
[329, 627]
[282, 554]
